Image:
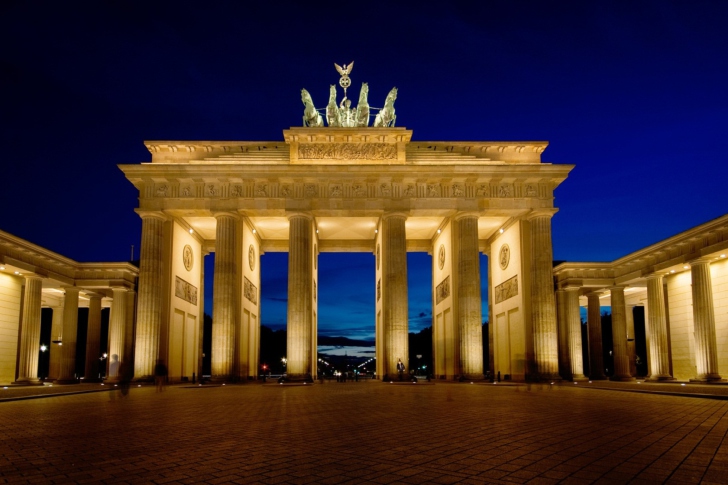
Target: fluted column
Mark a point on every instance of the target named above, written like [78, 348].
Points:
[594, 323]
[394, 292]
[117, 324]
[300, 298]
[619, 335]
[631, 341]
[30, 331]
[93, 339]
[573, 319]
[224, 297]
[128, 356]
[149, 310]
[470, 321]
[70, 329]
[648, 338]
[543, 306]
[656, 320]
[564, 351]
[706, 350]
[54, 368]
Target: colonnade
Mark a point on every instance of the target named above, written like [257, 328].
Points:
[63, 351]
[656, 327]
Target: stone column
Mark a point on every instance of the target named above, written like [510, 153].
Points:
[128, 355]
[117, 324]
[30, 331]
[70, 329]
[619, 335]
[93, 339]
[706, 350]
[656, 321]
[564, 350]
[573, 319]
[56, 331]
[648, 338]
[470, 317]
[394, 292]
[631, 341]
[543, 306]
[594, 322]
[149, 310]
[224, 296]
[300, 297]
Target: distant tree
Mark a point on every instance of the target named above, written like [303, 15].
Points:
[272, 348]
[421, 344]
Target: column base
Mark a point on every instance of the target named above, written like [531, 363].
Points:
[28, 382]
[708, 378]
[580, 378]
[65, 381]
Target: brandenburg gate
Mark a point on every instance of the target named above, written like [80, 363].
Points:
[347, 187]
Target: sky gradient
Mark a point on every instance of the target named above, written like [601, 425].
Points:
[633, 93]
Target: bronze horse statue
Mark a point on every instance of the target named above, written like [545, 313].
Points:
[311, 117]
[386, 116]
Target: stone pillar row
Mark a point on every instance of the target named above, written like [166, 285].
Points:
[706, 353]
[30, 331]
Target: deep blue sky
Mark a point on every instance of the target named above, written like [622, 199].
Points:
[633, 93]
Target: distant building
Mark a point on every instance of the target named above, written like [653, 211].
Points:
[682, 283]
[32, 278]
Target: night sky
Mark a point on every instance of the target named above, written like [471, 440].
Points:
[633, 93]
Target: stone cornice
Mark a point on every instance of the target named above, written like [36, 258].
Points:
[36, 260]
[705, 242]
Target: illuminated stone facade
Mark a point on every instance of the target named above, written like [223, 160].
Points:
[33, 278]
[682, 283]
[349, 190]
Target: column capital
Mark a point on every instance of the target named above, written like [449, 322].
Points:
[543, 212]
[572, 288]
[32, 277]
[151, 214]
[700, 261]
[465, 214]
[389, 214]
[654, 276]
[292, 215]
[219, 214]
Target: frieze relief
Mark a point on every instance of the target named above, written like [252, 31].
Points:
[341, 189]
[507, 289]
[185, 290]
[505, 190]
[250, 291]
[347, 151]
[443, 290]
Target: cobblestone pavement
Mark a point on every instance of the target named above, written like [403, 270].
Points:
[366, 432]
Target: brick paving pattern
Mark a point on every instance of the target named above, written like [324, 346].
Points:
[365, 432]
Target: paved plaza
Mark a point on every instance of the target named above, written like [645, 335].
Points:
[365, 432]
